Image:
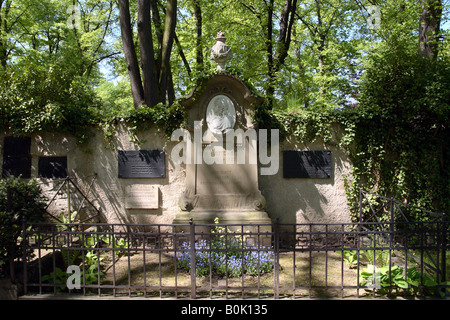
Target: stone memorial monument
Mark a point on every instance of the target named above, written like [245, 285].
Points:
[222, 172]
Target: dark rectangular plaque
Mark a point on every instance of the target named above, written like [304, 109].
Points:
[17, 146]
[52, 167]
[17, 157]
[307, 164]
[142, 164]
[16, 166]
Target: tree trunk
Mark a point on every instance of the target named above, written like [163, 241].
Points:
[3, 54]
[198, 35]
[429, 28]
[4, 32]
[183, 57]
[270, 91]
[321, 49]
[283, 44]
[158, 28]
[130, 53]
[284, 40]
[151, 92]
[167, 42]
[170, 88]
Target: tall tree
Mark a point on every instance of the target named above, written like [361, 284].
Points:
[311, 49]
[275, 59]
[5, 7]
[129, 52]
[42, 32]
[325, 49]
[156, 72]
[198, 33]
[282, 46]
[151, 94]
[429, 28]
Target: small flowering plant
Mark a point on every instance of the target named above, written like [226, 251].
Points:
[226, 255]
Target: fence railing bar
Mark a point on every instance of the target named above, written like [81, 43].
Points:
[371, 208]
[396, 205]
[294, 239]
[402, 203]
[85, 195]
[192, 259]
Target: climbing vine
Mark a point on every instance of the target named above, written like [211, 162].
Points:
[393, 155]
[164, 118]
[401, 130]
[397, 137]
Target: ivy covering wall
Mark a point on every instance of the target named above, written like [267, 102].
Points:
[397, 137]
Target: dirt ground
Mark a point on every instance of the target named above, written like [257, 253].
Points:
[302, 274]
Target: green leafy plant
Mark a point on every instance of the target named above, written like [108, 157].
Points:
[383, 278]
[373, 257]
[88, 260]
[58, 277]
[399, 136]
[19, 199]
[350, 257]
[63, 221]
[376, 257]
[115, 243]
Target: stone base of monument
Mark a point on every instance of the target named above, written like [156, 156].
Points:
[248, 221]
[225, 217]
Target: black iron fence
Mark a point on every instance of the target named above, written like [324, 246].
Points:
[243, 261]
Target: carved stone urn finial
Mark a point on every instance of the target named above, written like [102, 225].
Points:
[220, 52]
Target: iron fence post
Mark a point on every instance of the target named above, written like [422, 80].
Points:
[422, 235]
[192, 259]
[391, 225]
[360, 205]
[444, 248]
[24, 258]
[276, 239]
[68, 199]
[11, 245]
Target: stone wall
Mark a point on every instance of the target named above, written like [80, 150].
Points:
[308, 200]
[293, 200]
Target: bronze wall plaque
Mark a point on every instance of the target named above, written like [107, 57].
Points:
[52, 167]
[307, 164]
[142, 164]
[17, 157]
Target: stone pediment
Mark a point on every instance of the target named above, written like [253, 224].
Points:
[244, 98]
